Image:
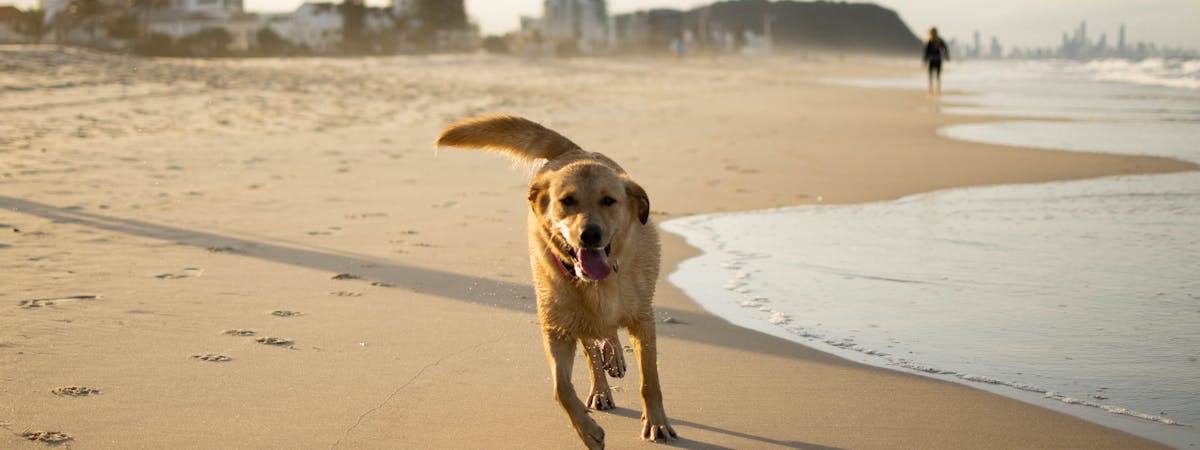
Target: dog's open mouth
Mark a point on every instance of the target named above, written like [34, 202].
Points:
[592, 263]
[589, 263]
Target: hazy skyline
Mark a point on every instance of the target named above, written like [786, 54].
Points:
[1015, 22]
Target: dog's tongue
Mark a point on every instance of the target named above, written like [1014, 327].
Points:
[594, 263]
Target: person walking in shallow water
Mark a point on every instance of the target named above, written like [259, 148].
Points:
[935, 52]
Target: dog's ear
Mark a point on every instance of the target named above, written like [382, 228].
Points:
[639, 199]
[538, 198]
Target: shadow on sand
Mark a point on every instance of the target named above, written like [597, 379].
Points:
[684, 442]
[501, 294]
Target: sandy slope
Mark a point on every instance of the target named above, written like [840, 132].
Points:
[194, 197]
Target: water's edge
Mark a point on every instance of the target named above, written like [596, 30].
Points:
[1150, 426]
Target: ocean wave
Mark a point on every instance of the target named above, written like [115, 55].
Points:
[1176, 73]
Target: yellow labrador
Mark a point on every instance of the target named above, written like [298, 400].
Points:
[595, 258]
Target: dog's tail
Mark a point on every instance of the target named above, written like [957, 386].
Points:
[517, 137]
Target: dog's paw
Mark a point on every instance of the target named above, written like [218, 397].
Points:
[591, 434]
[658, 430]
[614, 360]
[600, 401]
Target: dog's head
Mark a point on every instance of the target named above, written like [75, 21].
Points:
[586, 209]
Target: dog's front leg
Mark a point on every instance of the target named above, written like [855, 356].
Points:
[654, 417]
[601, 397]
[561, 353]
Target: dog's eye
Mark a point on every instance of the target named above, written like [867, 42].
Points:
[567, 201]
[607, 201]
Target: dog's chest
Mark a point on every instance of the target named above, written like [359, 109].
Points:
[584, 310]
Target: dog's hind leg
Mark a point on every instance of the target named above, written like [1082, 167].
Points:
[601, 397]
[655, 426]
[561, 353]
[613, 356]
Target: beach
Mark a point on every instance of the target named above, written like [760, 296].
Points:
[160, 217]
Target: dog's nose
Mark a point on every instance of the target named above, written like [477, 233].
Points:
[590, 237]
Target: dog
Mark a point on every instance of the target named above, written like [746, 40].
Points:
[595, 258]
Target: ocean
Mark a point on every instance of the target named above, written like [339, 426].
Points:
[1081, 296]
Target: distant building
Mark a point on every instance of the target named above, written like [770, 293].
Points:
[210, 7]
[584, 22]
[627, 30]
[178, 24]
[435, 25]
[1075, 45]
[280, 23]
[1121, 41]
[977, 50]
[646, 30]
[318, 26]
[182, 18]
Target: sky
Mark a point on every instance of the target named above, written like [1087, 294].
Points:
[1014, 22]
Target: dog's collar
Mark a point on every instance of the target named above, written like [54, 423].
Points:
[567, 271]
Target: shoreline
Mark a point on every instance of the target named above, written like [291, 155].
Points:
[1158, 428]
[249, 196]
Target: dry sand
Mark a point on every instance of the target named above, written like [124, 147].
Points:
[149, 206]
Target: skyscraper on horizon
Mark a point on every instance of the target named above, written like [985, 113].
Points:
[1121, 40]
[978, 49]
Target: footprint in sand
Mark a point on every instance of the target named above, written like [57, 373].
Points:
[238, 332]
[187, 272]
[74, 391]
[212, 357]
[47, 437]
[345, 276]
[346, 294]
[44, 302]
[326, 232]
[366, 215]
[285, 313]
[224, 249]
[269, 340]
